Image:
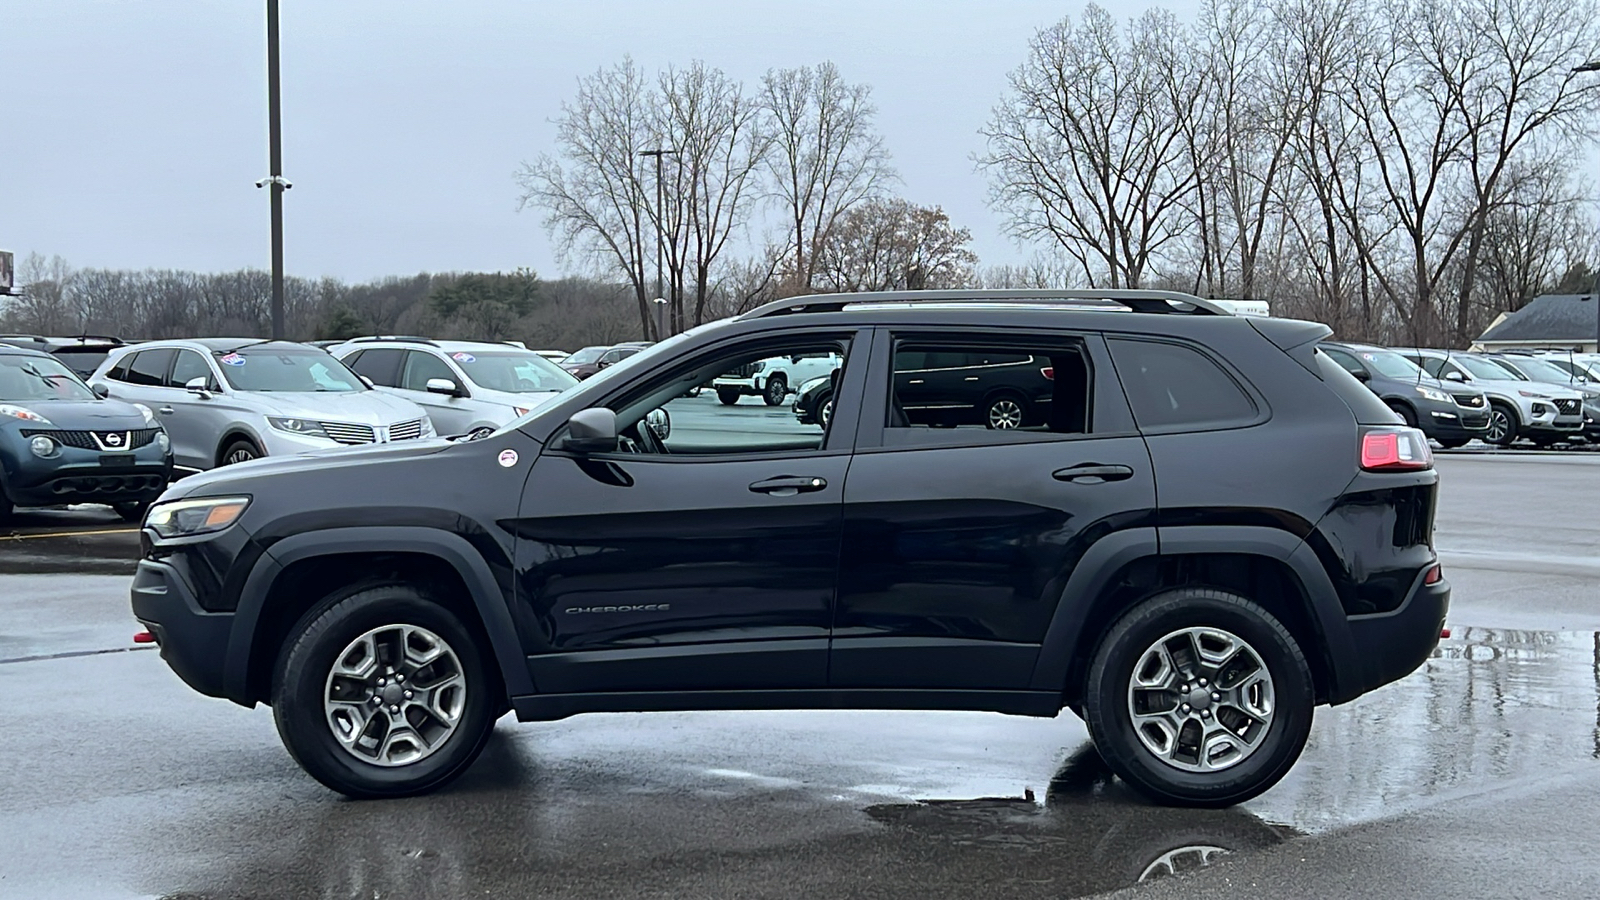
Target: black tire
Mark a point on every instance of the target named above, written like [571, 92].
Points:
[132, 511]
[1005, 411]
[6, 507]
[1110, 720]
[777, 388]
[240, 450]
[1405, 413]
[727, 396]
[1503, 425]
[1453, 443]
[825, 411]
[302, 675]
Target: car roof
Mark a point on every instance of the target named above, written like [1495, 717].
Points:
[14, 350]
[217, 344]
[403, 342]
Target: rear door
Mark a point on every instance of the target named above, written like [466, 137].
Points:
[958, 541]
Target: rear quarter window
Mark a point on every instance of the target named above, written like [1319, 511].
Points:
[1175, 386]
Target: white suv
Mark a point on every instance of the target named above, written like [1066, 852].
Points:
[467, 387]
[773, 379]
[230, 400]
[1518, 408]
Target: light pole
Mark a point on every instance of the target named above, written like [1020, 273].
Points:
[661, 291]
[1593, 65]
[275, 177]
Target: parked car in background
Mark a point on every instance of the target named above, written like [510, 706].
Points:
[554, 356]
[1548, 372]
[61, 443]
[1518, 408]
[773, 379]
[467, 387]
[26, 342]
[1451, 414]
[230, 400]
[84, 353]
[1582, 365]
[585, 361]
[944, 387]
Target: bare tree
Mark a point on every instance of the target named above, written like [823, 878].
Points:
[1087, 149]
[827, 156]
[893, 245]
[43, 306]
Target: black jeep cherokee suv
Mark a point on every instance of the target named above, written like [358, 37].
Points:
[1214, 529]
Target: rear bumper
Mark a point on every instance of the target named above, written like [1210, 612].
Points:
[193, 641]
[1394, 644]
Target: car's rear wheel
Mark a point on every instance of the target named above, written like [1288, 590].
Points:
[728, 397]
[1199, 697]
[239, 451]
[385, 693]
[1005, 411]
[777, 388]
[1502, 425]
[6, 507]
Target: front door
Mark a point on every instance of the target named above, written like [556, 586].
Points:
[703, 559]
[450, 415]
[959, 539]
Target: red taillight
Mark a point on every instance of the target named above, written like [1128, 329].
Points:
[144, 637]
[1435, 575]
[1049, 372]
[1392, 449]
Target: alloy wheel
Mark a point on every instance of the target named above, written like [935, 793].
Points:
[241, 454]
[826, 413]
[1201, 699]
[1499, 426]
[395, 695]
[1005, 413]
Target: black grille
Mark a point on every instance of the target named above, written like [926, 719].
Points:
[103, 485]
[1569, 407]
[1469, 401]
[744, 371]
[108, 440]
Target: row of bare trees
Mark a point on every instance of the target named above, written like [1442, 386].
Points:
[1401, 169]
[799, 152]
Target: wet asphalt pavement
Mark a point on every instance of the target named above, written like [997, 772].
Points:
[1477, 775]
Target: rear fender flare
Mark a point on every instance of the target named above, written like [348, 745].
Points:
[487, 596]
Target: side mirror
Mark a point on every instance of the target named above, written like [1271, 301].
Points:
[199, 386]
[1455, 376]
[444, 386]
[592, 430]
[366, 381]
[1362, 376]
[601, 364]
[100, 391]
[659, 422]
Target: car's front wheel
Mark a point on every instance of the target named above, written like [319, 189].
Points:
[1199, 697]
[777, 388]
[385, 693]
[1502, 425]
[241, 451]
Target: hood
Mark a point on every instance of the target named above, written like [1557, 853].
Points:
[529, 400]
[357, 407]
[1511, 386]
[245, 477]
[82, 415]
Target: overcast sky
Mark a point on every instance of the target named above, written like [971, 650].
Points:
[132, 131]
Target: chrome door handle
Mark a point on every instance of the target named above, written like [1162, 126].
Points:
[789, 485]
[970, 378]
[1092, 473]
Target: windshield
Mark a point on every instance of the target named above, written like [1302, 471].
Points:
[1539, 370]
[1391, 365]
[279, 369]
[1483, 368]
[513, 372]
[35, 378]
[586, 355]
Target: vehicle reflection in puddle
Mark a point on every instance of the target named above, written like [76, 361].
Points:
[1492, 705]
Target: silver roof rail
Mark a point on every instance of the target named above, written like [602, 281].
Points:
[1134, 299]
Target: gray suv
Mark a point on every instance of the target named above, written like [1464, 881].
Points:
[229, 400]
[467, 387]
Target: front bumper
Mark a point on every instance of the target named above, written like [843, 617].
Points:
[1450, 421]
[75, 475]
[193, 641]
[748, 387]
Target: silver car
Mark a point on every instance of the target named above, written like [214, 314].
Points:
[467, 387]
[228, 400]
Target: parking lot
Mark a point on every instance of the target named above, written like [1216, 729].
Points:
[122, 782]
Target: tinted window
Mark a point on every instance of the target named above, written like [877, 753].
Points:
[119, 372]
[586, 355]
[281, 369]
[421, 366]
[149, 367]
[382, 366]
[987, 389]
[190, 365]
[1170, 384]
[84, 362]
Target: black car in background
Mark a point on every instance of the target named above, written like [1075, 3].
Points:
[60, 443]
[590, 360]
[945, 386]
[84, 353]
[1451, 414]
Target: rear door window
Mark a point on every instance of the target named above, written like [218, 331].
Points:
[381, 366]
[149, 367]
[972, 390]
[1176, 386]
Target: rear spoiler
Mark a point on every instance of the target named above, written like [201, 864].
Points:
[1295, 337]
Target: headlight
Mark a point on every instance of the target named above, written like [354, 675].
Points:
[182, 518]
[162, 441]
[27, 415]
[1429, 393]
[304, 427]
[42, 446]
[147, 412]
[758, 367]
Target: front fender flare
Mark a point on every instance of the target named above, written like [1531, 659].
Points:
[487, 596]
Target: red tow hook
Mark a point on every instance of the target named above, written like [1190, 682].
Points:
[1444, 634]
[144, 637]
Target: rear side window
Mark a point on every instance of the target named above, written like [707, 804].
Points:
[381, 366]
[1171, 385]
[987, 390]
[149, 367]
